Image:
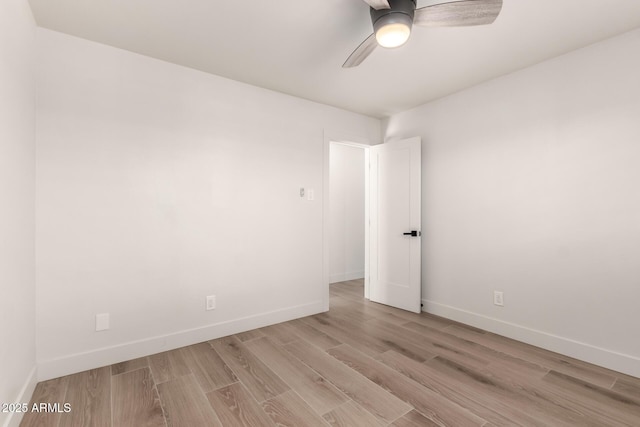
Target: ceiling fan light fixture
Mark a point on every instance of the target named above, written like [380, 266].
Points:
[392, 21]
[393, 35]
[392, 27]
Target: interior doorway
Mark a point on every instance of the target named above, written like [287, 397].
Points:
[392, 218]
[347, 213]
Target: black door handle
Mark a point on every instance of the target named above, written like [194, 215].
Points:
[413, 233]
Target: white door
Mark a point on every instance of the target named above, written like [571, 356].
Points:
[394, 216]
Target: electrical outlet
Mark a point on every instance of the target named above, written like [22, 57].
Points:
[498, 298]
[102, 322]
[211, 302]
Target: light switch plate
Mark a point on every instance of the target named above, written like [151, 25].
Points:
[498, 298]
[211, 302]
[102, 322]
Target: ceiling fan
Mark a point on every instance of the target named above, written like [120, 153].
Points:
[392, 21]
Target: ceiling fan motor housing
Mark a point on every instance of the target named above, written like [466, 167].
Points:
[401, 12]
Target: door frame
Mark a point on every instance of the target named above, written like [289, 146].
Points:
[353, 141]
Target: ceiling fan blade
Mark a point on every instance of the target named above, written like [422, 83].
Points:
[458, 13]
[361, 52]
[378, 4]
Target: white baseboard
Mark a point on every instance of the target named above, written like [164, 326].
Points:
[624, 363]
[343, 277]
[79, 362]
[24, 396]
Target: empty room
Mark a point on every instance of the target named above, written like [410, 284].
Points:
[319, 213]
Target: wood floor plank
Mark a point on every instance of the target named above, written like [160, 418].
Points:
[351, 336]
[289, 410]
[320, 394]
[522, 402]
[429, 403]
[378, 311]
[440, 323]
[614, 405]
[544, 358]
[135, 400]
[571, 406]
[395, 338]
[89, 394]
[440, 343]
[628, 387]
[579, 369]
[453, 390]
[356, 301]
[130, 365]
[349, 288]
[433, 321]
[52, 391]
[313, 335]
[334, 330]
[206, 365]
[249, 335]
[591, 415]
[349, 315]
[432, 345]
[414, 419]
[392, 318]
[236, 407]
[261, 381]
[168, 365]
[553, 399]
[338, 301]
[370, 396]
[464, 346]
[280, 333]
[351, 414]
[185, 405]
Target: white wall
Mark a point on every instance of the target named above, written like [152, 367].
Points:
[346, 213]
[158, 185]
[17, 193]
[531, 187]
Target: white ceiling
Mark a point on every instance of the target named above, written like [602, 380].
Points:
[298, 46]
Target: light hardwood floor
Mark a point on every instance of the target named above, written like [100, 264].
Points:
[360, 364]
